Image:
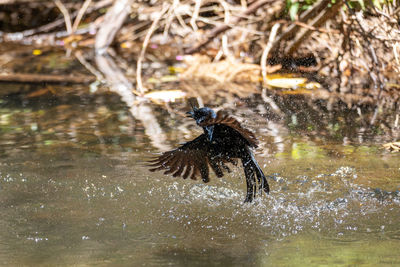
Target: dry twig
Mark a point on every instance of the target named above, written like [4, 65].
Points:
[80, 15]
[222, 28]
[67, 17]
[267, 48]
[195, 14]
[45, 78]
[139, 84]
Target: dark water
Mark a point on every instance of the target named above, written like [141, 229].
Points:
[74, 191]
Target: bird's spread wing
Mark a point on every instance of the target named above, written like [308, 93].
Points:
[191, 160]
[229, 121]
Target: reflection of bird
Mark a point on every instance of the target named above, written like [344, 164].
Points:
[224, 141]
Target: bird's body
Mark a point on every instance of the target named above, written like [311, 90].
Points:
[224, 141]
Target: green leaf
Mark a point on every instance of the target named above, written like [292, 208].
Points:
[377, 4]
[294, 8]
[362, 4]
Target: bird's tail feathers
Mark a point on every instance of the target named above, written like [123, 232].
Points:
[262, 180]
[252, 170]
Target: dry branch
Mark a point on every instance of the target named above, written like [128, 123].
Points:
[113, 21]
[153, 26]
[222, 28]
[80, 15]
[45, 78]
[67, 17]
[18, 36]
[290, 31]
[316, 22]
[266, 51]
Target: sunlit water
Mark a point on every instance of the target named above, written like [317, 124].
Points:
[76, 191]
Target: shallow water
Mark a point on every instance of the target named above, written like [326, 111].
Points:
[74, 190]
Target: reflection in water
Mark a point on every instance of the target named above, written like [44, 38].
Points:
[140, 111]
[74, 190]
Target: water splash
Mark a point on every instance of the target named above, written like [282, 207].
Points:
[325, 202]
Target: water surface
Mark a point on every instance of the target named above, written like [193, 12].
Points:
[74, 190]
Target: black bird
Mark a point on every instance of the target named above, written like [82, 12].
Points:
[224, 141]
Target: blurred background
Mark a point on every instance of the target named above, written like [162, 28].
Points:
[90, 90]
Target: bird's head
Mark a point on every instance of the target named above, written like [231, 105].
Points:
[201, 114]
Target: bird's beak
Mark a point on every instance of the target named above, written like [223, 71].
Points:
[189, 114]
